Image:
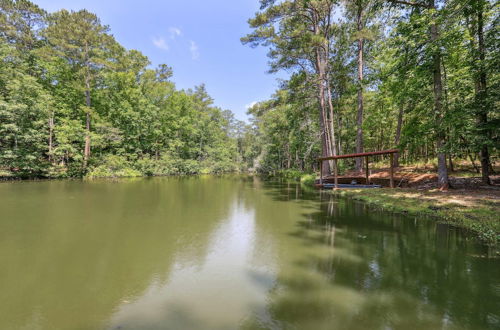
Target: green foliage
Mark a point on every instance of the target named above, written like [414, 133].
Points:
[155, 167]
[399, 92]
[113, 166]
[289, 174]
[65, 82]
[287, 129]
[308, 179]
[24, 109]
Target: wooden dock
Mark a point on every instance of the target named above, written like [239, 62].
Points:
[366, 180]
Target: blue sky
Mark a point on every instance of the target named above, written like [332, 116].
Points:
[199, 39]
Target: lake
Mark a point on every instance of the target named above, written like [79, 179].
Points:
[230, 252]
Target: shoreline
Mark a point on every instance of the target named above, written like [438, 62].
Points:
[469, 207]
[468, 210]
[475, 211]
[42, 179]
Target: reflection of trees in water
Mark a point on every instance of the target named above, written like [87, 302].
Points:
[366, 269]
[217, 291]
[87, 247]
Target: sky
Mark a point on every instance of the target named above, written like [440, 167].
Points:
[199, 39]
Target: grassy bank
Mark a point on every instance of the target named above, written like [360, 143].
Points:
[476, 211]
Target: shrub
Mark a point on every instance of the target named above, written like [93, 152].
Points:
[308, 179]
[113, 166]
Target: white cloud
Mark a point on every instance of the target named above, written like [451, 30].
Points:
[174, 32]
[160, 43]
[251, 105]
[195, 52]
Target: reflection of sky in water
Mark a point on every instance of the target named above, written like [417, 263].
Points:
[227, 286]
[222, 253]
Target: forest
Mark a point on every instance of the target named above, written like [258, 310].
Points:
[368, 75]
[74, 103]
[364, 75]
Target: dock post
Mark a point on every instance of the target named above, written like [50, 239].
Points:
[392, 170]
[367, 171]
[335, 169]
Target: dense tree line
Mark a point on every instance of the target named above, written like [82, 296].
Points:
[369, 75]
[74, 102]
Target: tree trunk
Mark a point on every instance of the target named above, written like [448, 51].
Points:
[86, 153]
[321, 66]
[438, 108]
[51, 134]
[325, 141]
[331, 121]
[450, 162]
[482, 96]
[359, 133]
[339, 126]
[473, 162]
[397, 138]
[288, 157]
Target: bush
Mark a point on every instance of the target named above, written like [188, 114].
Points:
[290, 174]
[57, 171]
[113, 166]
[146, 166]
[4, 173]
[308, 179]
[165, 165]
[116, 166]
[187, 166]
[155, 167]
[218, 167]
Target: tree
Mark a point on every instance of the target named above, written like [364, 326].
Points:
[362, 12]
[24, 108]
[302, 41]
[474, 12]
[435, 50]
[20, 22]
[83, 42]
[59, 70]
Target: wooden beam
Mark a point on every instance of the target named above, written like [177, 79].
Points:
[364, 154]
[367, 171]
[392, 171]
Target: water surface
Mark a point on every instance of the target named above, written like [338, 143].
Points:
[230, 252]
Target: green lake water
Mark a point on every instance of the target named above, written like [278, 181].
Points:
[232, 252]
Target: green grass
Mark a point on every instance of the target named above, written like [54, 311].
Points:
[480, 218]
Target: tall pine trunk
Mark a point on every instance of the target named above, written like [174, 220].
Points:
[325, 138]
[482, 94]
[331, 121]
[321, 61]
[51, 136]
[397, 138]
[359, 119]
[438, 106]
[86, 153]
